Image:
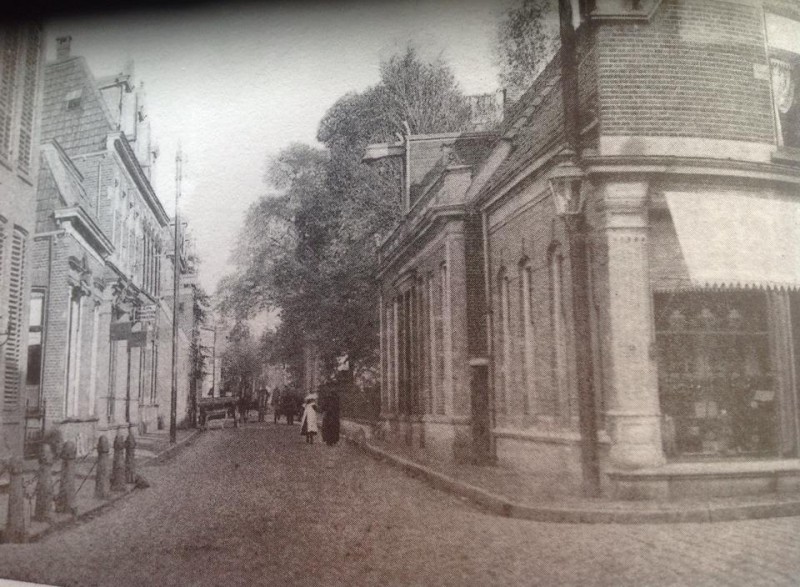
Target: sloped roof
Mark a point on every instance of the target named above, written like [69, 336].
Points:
[66, 176]
[533, 123]
[83, 128]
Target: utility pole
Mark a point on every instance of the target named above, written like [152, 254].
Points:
[214, 361]
[173, 408]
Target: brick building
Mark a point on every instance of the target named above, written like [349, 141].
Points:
[604, 292]
[101, 292]
[20, 95]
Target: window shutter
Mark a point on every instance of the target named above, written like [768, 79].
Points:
[16, 289]
[8, 70]
[28, 106]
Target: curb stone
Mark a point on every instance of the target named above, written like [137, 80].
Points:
[74, 520]
[67, 522]
[170, 451]
[502, 506]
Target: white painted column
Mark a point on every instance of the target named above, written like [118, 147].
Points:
[634, 416]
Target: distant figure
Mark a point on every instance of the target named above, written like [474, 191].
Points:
[263, 398]
[330, 417]
[309, 422]
[211, 392]
[288, 406]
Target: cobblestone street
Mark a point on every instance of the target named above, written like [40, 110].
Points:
[258, 506]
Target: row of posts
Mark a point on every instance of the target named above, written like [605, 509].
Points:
[108, 479]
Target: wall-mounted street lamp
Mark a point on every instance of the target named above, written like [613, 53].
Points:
[569, 187]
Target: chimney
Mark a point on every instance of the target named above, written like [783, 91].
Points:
[62, 47]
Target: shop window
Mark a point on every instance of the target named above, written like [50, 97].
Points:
[783, 38]
[35, 333]
[716, 383]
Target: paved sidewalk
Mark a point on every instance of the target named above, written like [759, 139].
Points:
[515, 494]
[150, 447]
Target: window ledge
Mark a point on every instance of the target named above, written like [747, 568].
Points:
[786, 155]
[79, 420]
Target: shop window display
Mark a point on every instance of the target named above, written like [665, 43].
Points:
[716, 380]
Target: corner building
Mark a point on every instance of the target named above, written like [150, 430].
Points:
[672, 135]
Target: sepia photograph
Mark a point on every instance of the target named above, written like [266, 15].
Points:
[408, 292]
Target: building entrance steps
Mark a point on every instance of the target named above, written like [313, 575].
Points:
[512, 493]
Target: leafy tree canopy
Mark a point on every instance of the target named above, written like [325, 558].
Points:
[310, 248]
[527, 40]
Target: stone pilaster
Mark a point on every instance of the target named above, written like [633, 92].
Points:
[633, 417]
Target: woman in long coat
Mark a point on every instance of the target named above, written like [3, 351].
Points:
[330, 419]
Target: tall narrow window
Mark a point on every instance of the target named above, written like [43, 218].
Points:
[559, 330]
[528, 349]
[154, 374]
[30, 73]
[395, 353]
[11, 349]
[9, 45]
[505, 339]
[73, 353]
[93, 361]
[33, 375]
[112, 382]
[447, 340]
[432, 367]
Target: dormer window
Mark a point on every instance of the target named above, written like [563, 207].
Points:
[783, 37]
[73, 99]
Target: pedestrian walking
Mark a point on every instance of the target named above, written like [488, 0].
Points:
[308, 425]
[330, 417]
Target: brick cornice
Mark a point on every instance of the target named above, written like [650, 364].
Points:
[600, 168]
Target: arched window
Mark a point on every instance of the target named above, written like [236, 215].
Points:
[558, 326]
[505, 338]
[528, 347]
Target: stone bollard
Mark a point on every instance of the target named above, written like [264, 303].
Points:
[118, 468]
[130, 457]
[43, 511]
[15, 522]
[66, 495]
[101, 488]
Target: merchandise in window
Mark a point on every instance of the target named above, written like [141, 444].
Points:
[716, 380]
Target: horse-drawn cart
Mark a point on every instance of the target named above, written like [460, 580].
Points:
[216, 408]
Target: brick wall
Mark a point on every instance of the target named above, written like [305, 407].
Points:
[432, 373]
[688, 72]
[523, 233]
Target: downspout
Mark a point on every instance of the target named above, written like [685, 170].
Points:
[576, 229]
[569, 78]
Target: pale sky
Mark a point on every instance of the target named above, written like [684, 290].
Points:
[237, 83]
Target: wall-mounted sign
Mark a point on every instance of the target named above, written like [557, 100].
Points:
[146, 313]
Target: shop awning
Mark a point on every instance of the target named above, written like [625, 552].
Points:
[738, 240]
